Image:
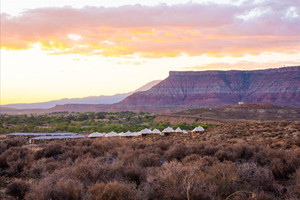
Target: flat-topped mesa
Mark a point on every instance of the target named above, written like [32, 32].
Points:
[280, 86]
[211, 72]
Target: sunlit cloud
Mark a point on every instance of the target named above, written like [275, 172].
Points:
[157, 31]
[243, 65]
[74, 37]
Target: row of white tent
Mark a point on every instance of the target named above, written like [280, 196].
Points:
[145, 131]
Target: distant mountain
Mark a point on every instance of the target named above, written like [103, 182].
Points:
[196, 89]
[192, 89]
[85, 100]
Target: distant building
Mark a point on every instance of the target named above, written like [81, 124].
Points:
[241, 102]
[30, 135]
[167, 131]
[198, 129]
[156, 132]
[42, 139]
[145, 132]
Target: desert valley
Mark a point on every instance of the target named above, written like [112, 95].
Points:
[150, 100]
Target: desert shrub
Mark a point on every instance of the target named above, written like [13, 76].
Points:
[284, 166]
[255, 178]
[297, 183]
[90, 171]
[167, 182]
[243, 151]
[264, 196]
[53, 149]
[148, 160]
[67, 189]
[163, 145]
[224, 177]
[14, 159]
[191, 159]
[135, 174]
[209, 150]
[178, 152]
[14, 142]
[261, 157]
[110, 191]
[60, 189]
[17, 189]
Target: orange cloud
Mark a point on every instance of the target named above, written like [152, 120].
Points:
[158, 31]
[243, 65]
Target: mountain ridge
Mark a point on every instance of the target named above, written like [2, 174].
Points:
[196, 89]
[279, 86]
[102, 99]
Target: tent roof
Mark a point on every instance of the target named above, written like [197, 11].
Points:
[96, 134]
[111, 134]
[178, 130]
[185, 132]
[122, 134]
[198, 129]
[146, 131]
[156, 131]
[168, 130]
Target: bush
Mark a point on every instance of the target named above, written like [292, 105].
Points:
[62, 189]
[110, 191]
[17, 189]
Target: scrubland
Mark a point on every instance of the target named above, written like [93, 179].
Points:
[232, 161]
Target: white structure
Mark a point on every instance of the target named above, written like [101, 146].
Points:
[156, 131]
[112, 134]
[96, 134]
[121, 134]
[168, 130]
[178, 130]
[127, 134]
[184, 132]
[145, 131]
[198, 129]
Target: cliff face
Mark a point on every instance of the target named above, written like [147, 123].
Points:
[216, 88]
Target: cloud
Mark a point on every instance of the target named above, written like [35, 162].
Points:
[243, 65]
[158, 31]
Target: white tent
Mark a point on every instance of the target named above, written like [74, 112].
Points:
[112, 134]
[128, 134]
[156, 131]
[145, 131]
[122, 134]
[138, 133]
[96, 134]
[135, 133]
[178, 130]
[168, 130]
[198, 129]
[184, 132]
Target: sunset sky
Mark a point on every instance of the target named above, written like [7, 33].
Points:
[53, 49]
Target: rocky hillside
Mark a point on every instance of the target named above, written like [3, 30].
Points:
[217, 88]
[232, 113]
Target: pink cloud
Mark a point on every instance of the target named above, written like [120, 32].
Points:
[161, 30]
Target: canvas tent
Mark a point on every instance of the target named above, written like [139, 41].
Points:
[198, 129]
[112, 134]
[96, 134]
[168, 131]
[156, 131]
[145, 131]
[178, 130]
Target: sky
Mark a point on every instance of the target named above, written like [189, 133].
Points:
[54, 49]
